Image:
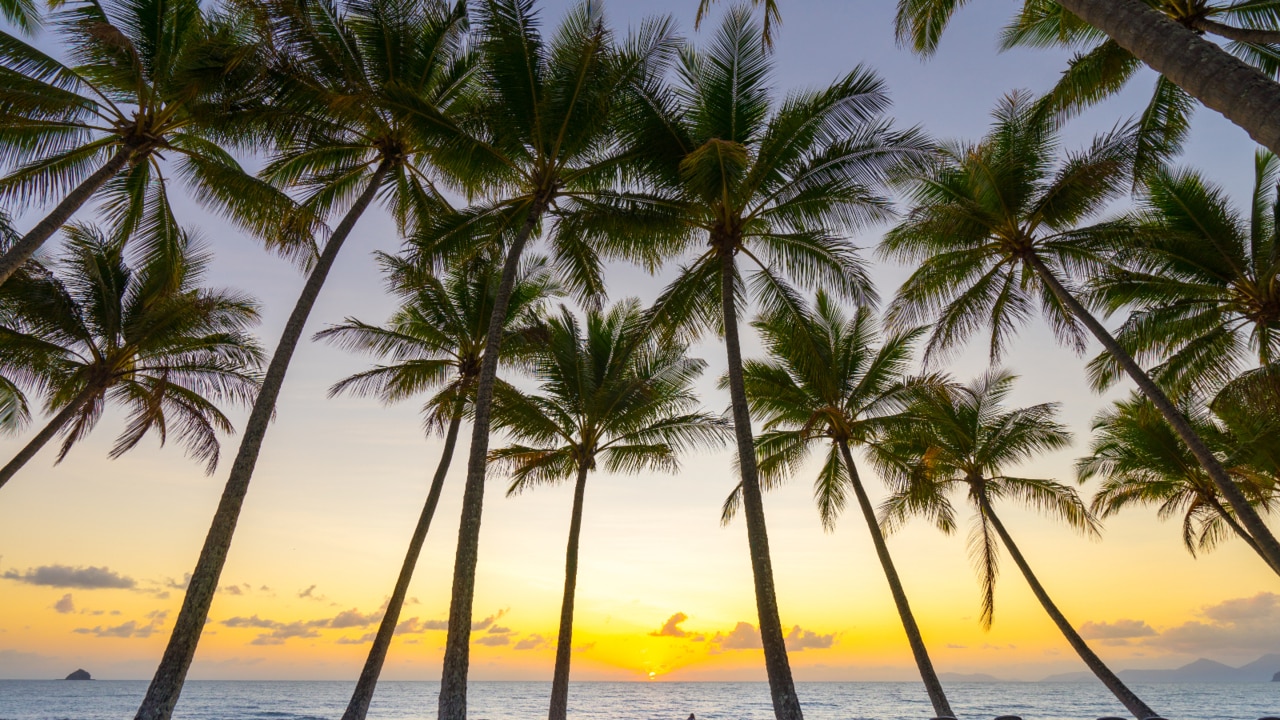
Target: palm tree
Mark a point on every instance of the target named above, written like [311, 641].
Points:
[151, 79]
[339, 72]
[541, 142]
[825, 382]
[1163, 34]
[1204, 282]
[611, 393]
[734, 176]
[436, 343]
[15, 412]
[150, 338]
[1143, 462]
[998, 227]
[962, 437]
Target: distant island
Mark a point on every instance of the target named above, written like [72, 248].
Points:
[1264, 669]
[80, 674]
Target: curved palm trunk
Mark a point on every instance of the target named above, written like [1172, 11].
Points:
[1242, 93]
[368, 682]
[564, 641]
[786, 706]
[932, 684]
[1245, 35]
[1230, 491]
[457, 649]
[46, 434]
[1096, 666]
[166, 686]
[36, 236]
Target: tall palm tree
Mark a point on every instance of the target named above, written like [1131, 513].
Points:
[339, 71]
[1204, 283]
[1143, 462]
[1166, 35]
[148, 80]
[542, 141]
[962, 438]
[733, 175]
[435, 342]
[612, 395]
[150, 338]
[826, 382]
[999, 226]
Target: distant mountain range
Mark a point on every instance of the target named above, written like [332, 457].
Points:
[1264, 669]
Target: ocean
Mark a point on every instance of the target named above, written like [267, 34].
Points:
[223, 700]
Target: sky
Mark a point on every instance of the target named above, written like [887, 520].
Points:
[94, 552]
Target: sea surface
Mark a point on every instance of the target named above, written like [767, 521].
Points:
[221, 700]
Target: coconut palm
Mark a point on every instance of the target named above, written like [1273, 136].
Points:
[962, 438]
[94, 330]
[435, 342]
[1143, 462]
[1204, 282]
[999, 227]
[22, 14]
[148, 80]
[613, 396]
[1237, 80]
[733, 175]
[825, 382]
[339, 71]
[543, 141]
[15, 412]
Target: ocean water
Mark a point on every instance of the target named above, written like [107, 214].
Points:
[219, 700]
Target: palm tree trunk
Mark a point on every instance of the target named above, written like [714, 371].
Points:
[1099, 668]
[1241, 92]
[166, 686]
[368, 682]
[43, 437]
[27, 246]
[932, 684]
[457, 648]
[1244, 511]
[564, 641]
[786, 705]
[1244, 35]
[1235, 526]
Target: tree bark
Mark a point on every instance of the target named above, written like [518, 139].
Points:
[1230, 491]
[564, 641]
[1244, 35]
[457, 649]
[786, 705]
[1099, 668]
[166, 686]
[368, 682]
[28, 244]
[43, 437]
[1241, 92]
[932, 684]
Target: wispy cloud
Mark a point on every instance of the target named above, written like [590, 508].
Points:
[65, 604]
[65, 576]
[130, 629]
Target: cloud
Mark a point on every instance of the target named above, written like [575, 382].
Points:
[583, 647]
[532, 642]
[498, 630]
[284, 632]
[799, 639]
[367, 637]
[354, 618]
[311, 594]
[65, 576]
[65, 605]
[1118, 632]
[493, 640]
[1237, 626]
[485, 623]
[130, 629]
[251, 622]
[174, 584]
[413, 626]
[744, 636]
[671, 628]
[232, 590]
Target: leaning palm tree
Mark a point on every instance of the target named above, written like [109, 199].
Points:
[613, 395]
[435, 342]
[543, 141]
[1143, 462]
[339, 71]
[1203, 282]
[734, 176]
[962, 438]
[825, 382]
[149, 80]
[94, 330]
[1000, 226]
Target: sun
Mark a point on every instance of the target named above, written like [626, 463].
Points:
[652, 674]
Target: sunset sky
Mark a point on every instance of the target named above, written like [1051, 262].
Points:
[93, 552]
